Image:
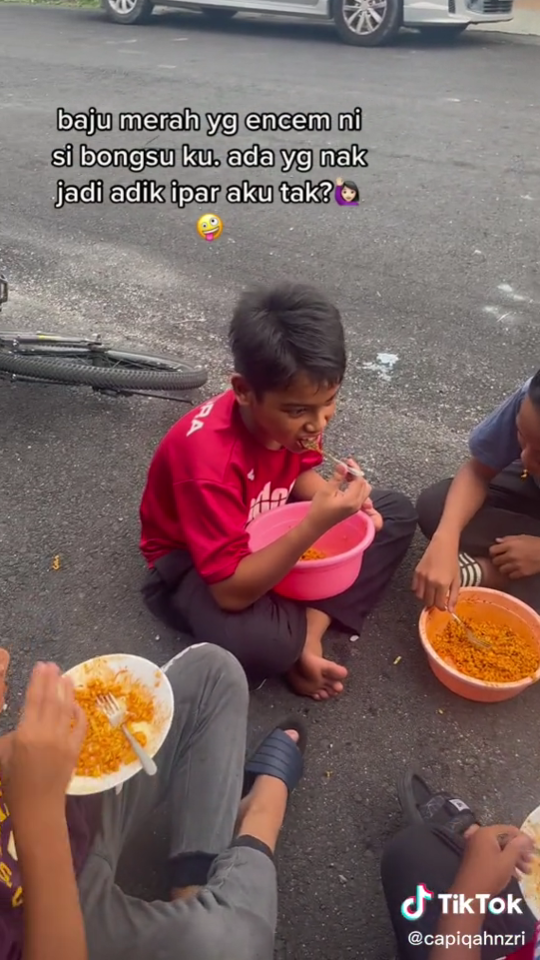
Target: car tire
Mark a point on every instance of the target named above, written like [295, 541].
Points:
[219, 13]
[440, 33]
[135, 11]
[347, 20]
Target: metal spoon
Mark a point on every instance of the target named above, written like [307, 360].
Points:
[471, 637]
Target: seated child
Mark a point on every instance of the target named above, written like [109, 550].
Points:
[484, 525]
[242, 453]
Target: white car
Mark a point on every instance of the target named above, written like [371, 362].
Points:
[363, 23]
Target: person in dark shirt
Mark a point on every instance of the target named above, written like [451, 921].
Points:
[246, 452]
[58, 856]
[484, 525]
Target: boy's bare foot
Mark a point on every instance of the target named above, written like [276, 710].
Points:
[314, 676]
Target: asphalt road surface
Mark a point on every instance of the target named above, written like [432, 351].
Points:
[437, 277]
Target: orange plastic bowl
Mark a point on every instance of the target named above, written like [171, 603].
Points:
[480, 604]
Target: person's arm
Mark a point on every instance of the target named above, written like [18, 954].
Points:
[308, 484]
[466, 495]
[437, 577]
[259, 572]
[36, 765]
[451, 924]
[493, 445]
[492, 856]
[53, 921]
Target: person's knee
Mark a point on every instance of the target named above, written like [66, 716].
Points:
[221, 664]
[212, 663]
[398, 508]
[205, 939]
[430, 505]
[272, 654]
[401, 848]
[404, 510]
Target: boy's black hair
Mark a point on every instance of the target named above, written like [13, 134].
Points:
[278, 332]
[350, 184]
[534, 390]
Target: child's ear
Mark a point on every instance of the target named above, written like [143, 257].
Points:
[242, 390]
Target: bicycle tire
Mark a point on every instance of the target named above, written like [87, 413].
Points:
[174, 376]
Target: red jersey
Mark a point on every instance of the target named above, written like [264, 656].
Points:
[531, 951]
[209, 477]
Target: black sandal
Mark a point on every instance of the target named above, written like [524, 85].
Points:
[278, 756]
[421, 805]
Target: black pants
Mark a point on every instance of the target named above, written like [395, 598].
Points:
[268, 637]
[512, 508]
[420, 854]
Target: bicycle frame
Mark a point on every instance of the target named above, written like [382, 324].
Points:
[24, 342]
[99, 354]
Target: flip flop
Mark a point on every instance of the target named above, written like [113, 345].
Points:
[278, 756]
[422, 805]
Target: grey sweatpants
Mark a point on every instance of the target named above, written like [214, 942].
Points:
[200, 766]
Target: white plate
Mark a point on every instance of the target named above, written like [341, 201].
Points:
[155, 680]
[530, 883]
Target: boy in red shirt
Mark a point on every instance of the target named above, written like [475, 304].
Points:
[242, 453]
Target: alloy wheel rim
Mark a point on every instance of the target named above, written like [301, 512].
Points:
[363, 17]
[123, 7]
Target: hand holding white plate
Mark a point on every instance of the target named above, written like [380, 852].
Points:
[530, 883]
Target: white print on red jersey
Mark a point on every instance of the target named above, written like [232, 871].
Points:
[268, 499]
[198, 422]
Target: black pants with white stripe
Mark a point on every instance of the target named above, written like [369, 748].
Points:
[512, 508]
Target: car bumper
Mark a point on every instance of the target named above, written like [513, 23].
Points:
[446, 12]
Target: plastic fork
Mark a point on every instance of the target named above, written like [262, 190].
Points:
[342, 463]
[471, 637]
[116, 716]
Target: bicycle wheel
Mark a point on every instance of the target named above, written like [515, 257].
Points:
[126, 370]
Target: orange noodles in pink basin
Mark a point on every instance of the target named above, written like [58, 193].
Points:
[343, 547]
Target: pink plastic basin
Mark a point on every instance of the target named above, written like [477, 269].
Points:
[345, 545]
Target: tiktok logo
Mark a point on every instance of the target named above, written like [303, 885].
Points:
[413, 908]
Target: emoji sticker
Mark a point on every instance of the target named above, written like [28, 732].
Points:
[209, 226]
[347, 193]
